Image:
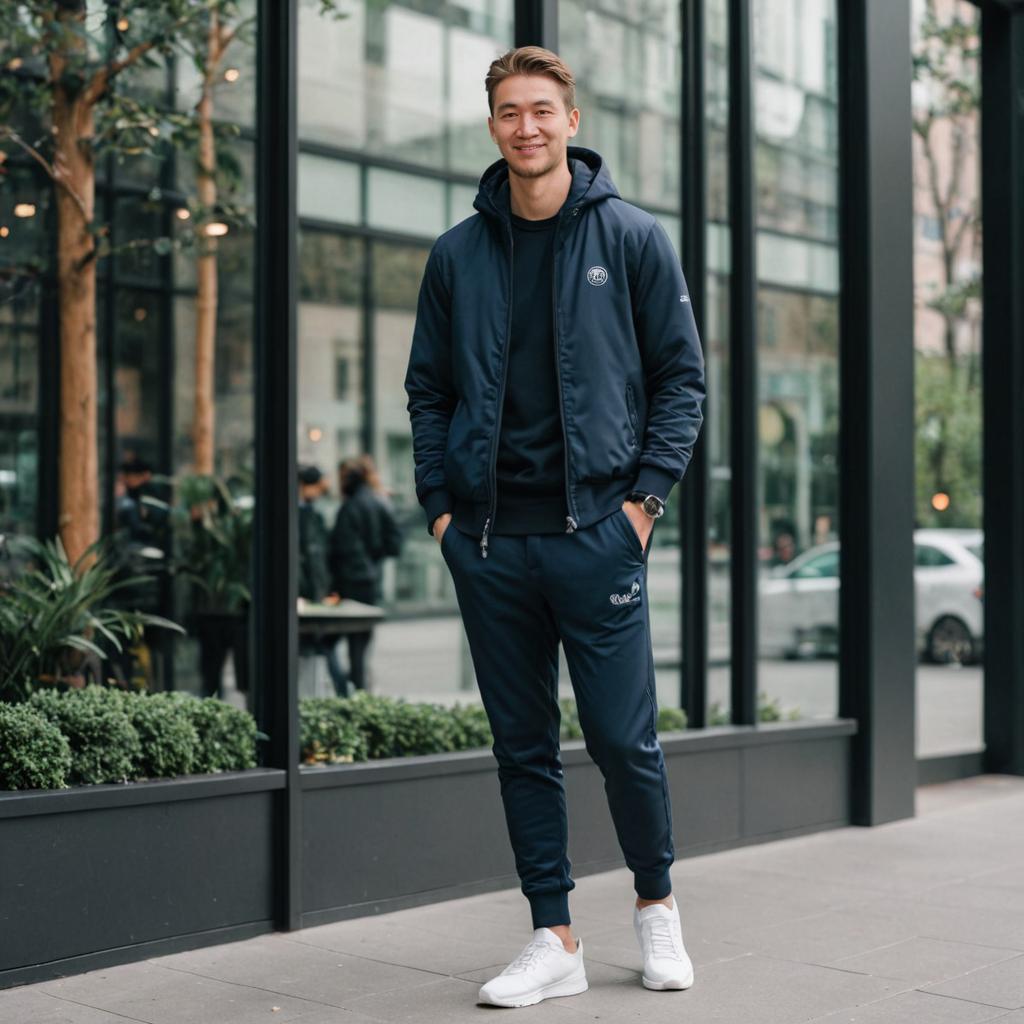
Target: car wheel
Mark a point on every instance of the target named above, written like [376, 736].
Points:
[950, 642]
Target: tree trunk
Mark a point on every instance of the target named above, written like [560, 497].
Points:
[203, 422]
[78, 512]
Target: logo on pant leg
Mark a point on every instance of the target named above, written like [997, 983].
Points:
[630, 597]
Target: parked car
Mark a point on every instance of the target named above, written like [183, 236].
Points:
[799, 610]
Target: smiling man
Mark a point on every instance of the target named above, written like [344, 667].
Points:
[555, 387]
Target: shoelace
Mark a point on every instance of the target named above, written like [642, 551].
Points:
[662, 938]
[534, 951]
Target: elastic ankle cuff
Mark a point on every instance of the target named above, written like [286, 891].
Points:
[653, 887]
[549, 908]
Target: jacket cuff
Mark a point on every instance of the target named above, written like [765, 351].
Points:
[435, 504]
[653, 480]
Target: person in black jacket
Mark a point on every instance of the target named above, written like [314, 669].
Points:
[555, 386]
[365, 533]
[314, 569]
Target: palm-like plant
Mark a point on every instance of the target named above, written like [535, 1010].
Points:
[55, 614]
[216, 541]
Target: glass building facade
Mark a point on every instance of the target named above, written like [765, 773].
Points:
[390, 140]
[837, 586]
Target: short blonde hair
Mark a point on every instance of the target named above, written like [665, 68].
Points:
[531, 60]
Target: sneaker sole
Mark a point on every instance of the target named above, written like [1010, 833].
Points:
[568, 987]
[661, 986]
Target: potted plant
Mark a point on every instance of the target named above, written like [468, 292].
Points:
[56, 625]
[214, 541]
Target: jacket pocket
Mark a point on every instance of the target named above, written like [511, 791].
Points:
[631, 406]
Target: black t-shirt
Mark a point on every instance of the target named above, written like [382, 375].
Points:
[531, 449]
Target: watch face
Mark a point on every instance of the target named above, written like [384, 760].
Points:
[653, 505]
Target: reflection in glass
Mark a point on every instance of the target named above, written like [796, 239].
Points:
[798, 370]
[948, 574]
[403, 84]
[717, 350]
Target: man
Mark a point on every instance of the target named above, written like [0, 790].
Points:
[555, 386]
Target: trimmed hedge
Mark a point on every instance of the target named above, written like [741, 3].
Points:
[101, 734]
[366, 727]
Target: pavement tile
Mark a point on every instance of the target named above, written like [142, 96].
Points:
[1001, 928]
[393, 942]
[977, 894]
[922, 961]
[450, 1000]
[915, 1007]
[746, 990]
[822, 938]
[291, 966]
[1000, 984]
[27, 1005]
[147, 992]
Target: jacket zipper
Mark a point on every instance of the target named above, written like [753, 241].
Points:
[501, 395]
[631, 405]
[571, 523]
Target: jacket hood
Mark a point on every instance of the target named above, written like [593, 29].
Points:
[591, 182]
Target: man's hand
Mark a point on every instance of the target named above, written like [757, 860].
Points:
[642, 522]
[441, 524]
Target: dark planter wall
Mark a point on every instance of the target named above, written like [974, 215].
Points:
[101, 875]
[381, 836]
[111, 874]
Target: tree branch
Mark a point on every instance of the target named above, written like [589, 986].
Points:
[101, 79]
[52, 172]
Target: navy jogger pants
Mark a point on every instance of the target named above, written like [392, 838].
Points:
[589, 589]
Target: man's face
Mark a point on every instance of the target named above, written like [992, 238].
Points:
[531, 125]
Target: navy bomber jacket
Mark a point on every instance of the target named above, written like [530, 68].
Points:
[627, 355]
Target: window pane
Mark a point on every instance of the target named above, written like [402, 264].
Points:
[406, 203]
[947, 377]
[798, 371]
[328, 189]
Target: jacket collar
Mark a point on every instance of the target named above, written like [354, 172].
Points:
[591, 182]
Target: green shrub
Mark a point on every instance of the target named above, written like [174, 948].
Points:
[33, 752]
[472, 727]
[767, 711]
[423, 729]
[105, 746]
[671, 719]
[571, 728]
[170, 741]
[368, 726]
[376, 719]
[327, 733]
[227, 735]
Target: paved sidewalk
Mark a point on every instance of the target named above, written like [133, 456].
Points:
[915, 922]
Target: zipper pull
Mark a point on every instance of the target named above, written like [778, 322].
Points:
[570, 524]
[483, 539]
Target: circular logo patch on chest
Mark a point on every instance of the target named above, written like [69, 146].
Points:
[597, 276]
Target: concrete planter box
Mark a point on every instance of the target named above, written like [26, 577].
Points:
[101, 875]
[382, 835]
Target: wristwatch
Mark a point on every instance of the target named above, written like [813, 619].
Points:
[650, 503]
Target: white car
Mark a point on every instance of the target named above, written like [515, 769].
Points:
[799, 610]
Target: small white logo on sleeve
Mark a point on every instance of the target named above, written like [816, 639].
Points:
[684, 298]
[597, 276]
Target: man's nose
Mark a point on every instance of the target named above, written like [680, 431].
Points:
[527, 128]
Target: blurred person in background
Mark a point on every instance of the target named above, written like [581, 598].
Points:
[365, 533]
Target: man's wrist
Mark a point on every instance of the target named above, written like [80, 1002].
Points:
[650, 504]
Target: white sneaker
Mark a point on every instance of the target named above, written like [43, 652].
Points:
[660, 934]
[543, 969]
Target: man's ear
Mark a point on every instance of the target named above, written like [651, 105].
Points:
[574, 121]
[490, 128]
